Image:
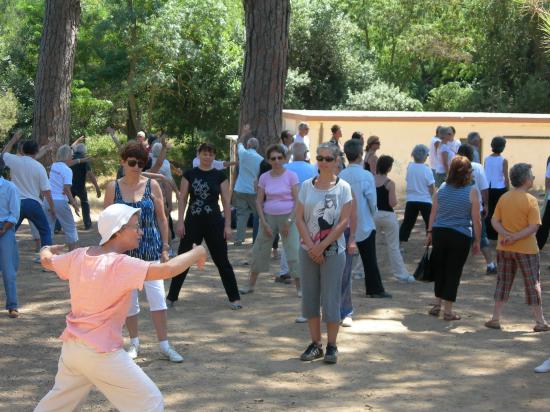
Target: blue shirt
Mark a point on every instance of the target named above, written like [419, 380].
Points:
[364, 191]
[303, 169]
[9, 202]
[249, 166]
[454, 209]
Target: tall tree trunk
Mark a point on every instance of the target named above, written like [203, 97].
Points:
[51, 115]
[265, 68]
[134, 121]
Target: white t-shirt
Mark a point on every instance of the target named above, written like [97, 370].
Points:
[28, 175]
[216, 164]
[419, 179]
[60, 175]
[322, 209]
[480, 180]
[448, 148]
[434, 159]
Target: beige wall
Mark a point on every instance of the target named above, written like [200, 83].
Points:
[400, 131]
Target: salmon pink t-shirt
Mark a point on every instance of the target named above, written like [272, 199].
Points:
[278, 192]
[100, 289]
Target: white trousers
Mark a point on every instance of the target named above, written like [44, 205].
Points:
[117, 376]
[387, 230]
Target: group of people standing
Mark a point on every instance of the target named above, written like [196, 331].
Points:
[325, 209]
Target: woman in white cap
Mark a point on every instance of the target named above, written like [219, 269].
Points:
[102, 279]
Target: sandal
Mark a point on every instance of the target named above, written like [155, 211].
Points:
[451, 316]
[13, 313]
[435, 310]
[246, 290]
[493, 324]
[235, 306]
[541, 327]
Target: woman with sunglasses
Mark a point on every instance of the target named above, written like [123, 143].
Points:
[323, 211]
[138, 191]
[204, 185]
[275, 202]
[373, 144]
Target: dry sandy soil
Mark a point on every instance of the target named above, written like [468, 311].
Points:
[395, 357]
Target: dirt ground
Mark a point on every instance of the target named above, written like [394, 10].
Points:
[395, 357]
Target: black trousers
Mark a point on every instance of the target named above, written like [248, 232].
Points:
[494, 195]
[411, 214]
[84, 204]
[544, 229]
[449, 253]
[212, 231]
[367, 251]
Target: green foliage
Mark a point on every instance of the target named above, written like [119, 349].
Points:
[380, 96]
[88, 114]
[8, 112]
[451, 97]
[105, 154]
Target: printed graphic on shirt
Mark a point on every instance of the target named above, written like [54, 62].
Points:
[201, 191]
[326, 217]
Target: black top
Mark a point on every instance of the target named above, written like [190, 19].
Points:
[204, 191]
[264, 167]
[383, 198]
[79, 173]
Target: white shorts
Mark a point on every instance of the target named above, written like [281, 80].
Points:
[154, 290]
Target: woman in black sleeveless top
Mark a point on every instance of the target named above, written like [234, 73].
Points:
[386, 220]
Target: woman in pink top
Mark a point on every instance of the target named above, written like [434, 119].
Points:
[101, 279]
[277, 194]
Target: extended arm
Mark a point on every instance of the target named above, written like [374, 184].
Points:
[177, 265]
[14, 139]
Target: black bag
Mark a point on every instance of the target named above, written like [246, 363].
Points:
[423, 272]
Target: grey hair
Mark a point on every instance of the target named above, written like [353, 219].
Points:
[519, 173]
[473, 136]
[252, 143]
[64, 153]
[80, 148]
[334, 149]
[303, 125]
[353, 149]
[156, 149]
[420, 153]
[299, 150]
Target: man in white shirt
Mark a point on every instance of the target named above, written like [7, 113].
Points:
[434, 145]
[482, 185]
[302, 136]
[32, 182]
[244, 192]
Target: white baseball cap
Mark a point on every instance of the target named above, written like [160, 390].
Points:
[112, 219]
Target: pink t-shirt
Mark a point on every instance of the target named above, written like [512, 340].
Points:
[278, 192]
[100, 288]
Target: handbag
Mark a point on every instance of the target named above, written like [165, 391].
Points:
[423, 272]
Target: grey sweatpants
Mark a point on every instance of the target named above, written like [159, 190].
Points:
[322, 286]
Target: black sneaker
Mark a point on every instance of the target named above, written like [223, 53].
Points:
[331, 355]
[286, 279]
[312, 352]
[491, 270]
[381, 295]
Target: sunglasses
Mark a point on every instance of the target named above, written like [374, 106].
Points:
[325, 158]
[276, 158]
[133, 162]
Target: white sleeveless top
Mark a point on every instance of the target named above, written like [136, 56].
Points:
[494, 172]
[434, 161]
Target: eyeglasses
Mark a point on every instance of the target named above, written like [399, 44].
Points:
[135, 227]
[276, 158]
[133, 163]
[325, 158]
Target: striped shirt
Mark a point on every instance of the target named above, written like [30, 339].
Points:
[454, 208]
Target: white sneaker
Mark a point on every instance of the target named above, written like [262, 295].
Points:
[299, 293]
[358, 275]
[405, 278]
[300, 319]
[543, 367]
[133, 351]
[172, 355]
[347, 322]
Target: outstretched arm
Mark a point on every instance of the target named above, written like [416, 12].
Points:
[178, 264]
[14, 139]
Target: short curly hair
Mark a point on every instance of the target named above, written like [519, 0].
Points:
[275, 148]
[498, 144]
[519, 173]
[460, 172]
[134, 149]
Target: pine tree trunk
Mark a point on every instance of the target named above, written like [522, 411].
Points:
[51, 115]
[265, 68]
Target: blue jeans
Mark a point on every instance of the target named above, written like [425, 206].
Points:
[32, 210]
[9, 263]
[346, 307]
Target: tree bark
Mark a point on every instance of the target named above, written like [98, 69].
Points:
[265, 68]
[134, 120]
[51, 115]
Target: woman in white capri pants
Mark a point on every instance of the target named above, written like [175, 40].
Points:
[138, 191]
[323, 210]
